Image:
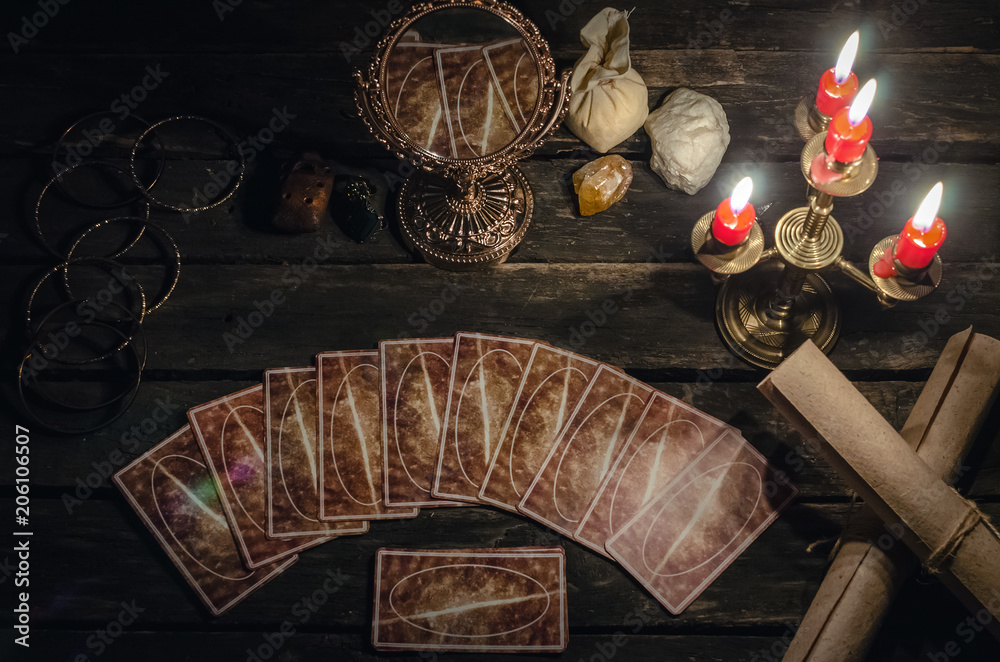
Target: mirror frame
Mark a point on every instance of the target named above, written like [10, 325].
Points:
[373, 104]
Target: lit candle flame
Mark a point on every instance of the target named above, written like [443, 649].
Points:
[862, 102]
[741, 195]
[928, 209]
[846, 59]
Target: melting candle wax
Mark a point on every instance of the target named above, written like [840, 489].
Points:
[851, 128]
[735, 216]
[839, 85]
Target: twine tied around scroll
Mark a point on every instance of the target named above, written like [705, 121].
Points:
[973, 516]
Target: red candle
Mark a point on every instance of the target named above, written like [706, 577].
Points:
[837, 86]
[851, 128]
[734, 216]
[923, 234]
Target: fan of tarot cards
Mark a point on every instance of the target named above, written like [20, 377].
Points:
[315, 453]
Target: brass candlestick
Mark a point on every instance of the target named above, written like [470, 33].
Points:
[773, 300]
[810, 120]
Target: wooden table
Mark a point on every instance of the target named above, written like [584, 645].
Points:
[938, 66]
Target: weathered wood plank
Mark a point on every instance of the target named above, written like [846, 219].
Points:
[196, 646]
[770, 584]
[661, 320]
[316, 26]
[301, 646]
[63, 644]
[899, 642]
[938, 64]
[76, 466]
[652, 223]
[922, 98]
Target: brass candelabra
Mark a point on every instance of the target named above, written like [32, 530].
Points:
[774, 299]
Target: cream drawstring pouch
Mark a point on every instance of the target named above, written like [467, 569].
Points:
[609, 101]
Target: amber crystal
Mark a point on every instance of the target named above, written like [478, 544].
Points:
[602, 183]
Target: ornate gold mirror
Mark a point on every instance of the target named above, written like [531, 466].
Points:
[464, 89]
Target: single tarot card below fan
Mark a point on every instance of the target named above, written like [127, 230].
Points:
[669, 436]
[292, 417]
[171, 489]
[553, 384]
[485, 373]
[415, 378]
[350, 438]
[589, 444]
[691, 531]
[472, 600]
[474, 111]
[230, 432]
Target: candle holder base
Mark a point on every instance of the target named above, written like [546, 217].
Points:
[774, 299]
[898, 287]
[738, 260]
[809, 120]
[754, 332]
[855, 181]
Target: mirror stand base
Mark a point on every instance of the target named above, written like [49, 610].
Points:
[465, 231]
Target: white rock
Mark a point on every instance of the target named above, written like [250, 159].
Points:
[690, 135]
